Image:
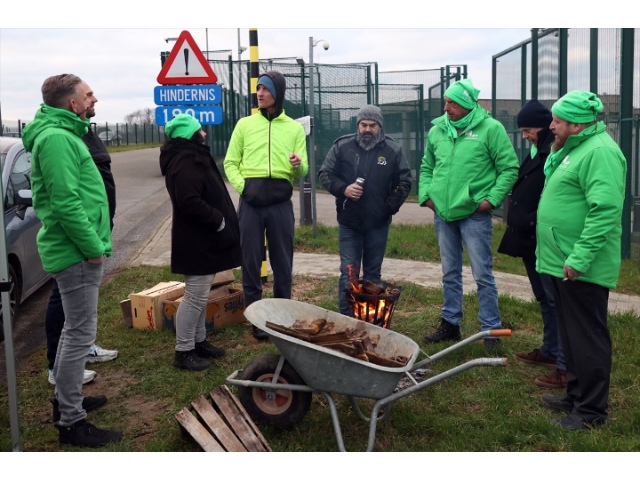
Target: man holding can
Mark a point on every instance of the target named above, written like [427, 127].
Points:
[370, 177]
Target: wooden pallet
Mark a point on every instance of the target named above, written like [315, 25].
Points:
[219, 423]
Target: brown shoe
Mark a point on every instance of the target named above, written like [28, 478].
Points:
[556, 379]
[536, 358]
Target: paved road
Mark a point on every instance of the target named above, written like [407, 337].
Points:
[142, 205]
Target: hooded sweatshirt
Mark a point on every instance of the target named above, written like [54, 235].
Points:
[257, 160]
[69, 195]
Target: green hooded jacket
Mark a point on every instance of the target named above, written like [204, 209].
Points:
[580, 210]
[458, 174]
[69, 196]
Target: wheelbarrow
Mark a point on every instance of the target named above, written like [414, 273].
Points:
[276, 389]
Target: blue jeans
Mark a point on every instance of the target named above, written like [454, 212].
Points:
[190, 316]
[542, 287]
[475, 231]
[79, 287]
[360, 247]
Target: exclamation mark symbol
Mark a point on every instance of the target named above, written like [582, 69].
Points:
[186, 60]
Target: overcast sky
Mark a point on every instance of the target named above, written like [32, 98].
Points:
[119, 56]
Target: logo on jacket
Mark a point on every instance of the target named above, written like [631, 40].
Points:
[565, 160]
[470, 135]
[382, 160]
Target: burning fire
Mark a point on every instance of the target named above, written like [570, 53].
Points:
[371, 303]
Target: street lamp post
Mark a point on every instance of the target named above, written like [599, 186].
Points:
[312, 143]
[241, 49]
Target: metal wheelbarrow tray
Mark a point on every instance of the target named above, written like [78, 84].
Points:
[271, 388]
[318, 365]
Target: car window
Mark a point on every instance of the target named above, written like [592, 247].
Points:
[20, 178]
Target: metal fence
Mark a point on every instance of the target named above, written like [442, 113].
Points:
[555, 61]
[112, 134]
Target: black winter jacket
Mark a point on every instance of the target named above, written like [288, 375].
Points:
[519, 239]
[200, 201]
[103, 161]
[387, 180]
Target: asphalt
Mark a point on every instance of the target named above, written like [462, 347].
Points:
[157, 252]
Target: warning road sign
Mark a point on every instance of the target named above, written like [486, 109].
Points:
[186, 64]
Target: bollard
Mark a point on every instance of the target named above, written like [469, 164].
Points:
[307, 204]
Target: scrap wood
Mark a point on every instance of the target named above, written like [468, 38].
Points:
[309, 326]
[219, 423]
[288, 331]
[199, 433]
[354, 342]
[239, 419]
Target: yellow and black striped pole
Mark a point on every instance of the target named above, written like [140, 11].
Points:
[254, 65]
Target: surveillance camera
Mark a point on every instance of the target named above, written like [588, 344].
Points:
[325, 45]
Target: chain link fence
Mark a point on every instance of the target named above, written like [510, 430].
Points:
[554, 61]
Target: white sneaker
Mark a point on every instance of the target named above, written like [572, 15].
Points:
[99, 354]
[89, 376]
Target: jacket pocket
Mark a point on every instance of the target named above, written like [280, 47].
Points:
[226, 238]
[460, 203]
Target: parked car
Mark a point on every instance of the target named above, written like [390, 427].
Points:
[110, 138]
[24, 267]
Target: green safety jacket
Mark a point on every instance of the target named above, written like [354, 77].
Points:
[580, 210]
[458, 174]
[69, 196]
[260, 148]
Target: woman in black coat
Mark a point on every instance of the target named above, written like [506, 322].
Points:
[205, 238]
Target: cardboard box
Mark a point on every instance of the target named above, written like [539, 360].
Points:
[223, 278]
[225, 307]
[125, 306]
[146, 306]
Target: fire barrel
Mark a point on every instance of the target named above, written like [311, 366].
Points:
[373, 302]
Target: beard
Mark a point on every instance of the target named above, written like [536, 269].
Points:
[558, 143]
[367, 140]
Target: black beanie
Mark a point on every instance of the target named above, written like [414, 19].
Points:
[534, 114]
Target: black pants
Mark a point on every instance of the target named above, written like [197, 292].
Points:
[581, 308]
[53, 324]
[277, 223]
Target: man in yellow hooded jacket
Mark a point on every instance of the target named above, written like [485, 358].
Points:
[267, 151]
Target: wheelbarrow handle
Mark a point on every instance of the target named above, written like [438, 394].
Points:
[501, 332]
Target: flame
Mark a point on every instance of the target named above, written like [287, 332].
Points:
[354, 274]
[377, 312]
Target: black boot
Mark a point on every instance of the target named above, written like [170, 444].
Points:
[205, 350]
[84, 434]
[259, 334]
[190, 360]
[446, 331]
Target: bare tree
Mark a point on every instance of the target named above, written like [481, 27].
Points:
[143, 115]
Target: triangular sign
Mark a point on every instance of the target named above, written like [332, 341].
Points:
[186, 64]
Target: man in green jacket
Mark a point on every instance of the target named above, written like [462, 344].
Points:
[468, 168]
[578, 244]
[267, 151]
[70, 200]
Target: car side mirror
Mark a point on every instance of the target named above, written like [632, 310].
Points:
[24, 200]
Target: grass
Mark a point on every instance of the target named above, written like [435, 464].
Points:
[484, 409]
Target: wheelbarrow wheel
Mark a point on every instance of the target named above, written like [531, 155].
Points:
[280, 407]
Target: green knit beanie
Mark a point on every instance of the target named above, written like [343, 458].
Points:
[182, 126]
[578, 106]
[463, 93]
